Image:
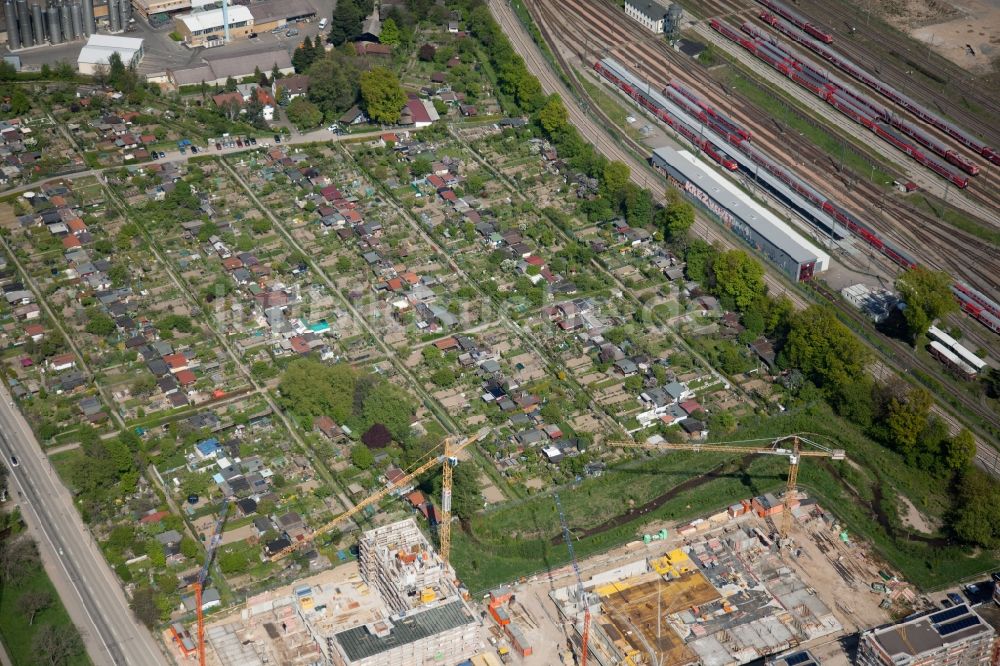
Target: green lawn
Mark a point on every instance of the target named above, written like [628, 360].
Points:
[522, 538]
[14, 630]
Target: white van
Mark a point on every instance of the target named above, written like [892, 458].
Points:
[322, 24]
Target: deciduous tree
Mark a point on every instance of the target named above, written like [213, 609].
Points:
[31, 602]
[304, 114]
[740, 277]
[382, 95]
[927, 295]
[55, 647]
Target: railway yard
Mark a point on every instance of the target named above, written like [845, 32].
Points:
[585, 31]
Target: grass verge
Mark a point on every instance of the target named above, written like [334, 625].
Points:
[15, 631]
[522, 538]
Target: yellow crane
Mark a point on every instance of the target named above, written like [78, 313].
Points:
[778, 447]
[447, 459]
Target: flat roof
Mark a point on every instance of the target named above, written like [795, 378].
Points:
[360, 643]
[931, 632]
[272, 10]
[740, 205]
[212, 18]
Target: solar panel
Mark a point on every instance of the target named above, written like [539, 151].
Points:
[958, 625]
[798, 658]
[949, 614]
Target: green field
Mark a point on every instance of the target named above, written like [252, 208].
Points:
[16, 634]
[522, 538]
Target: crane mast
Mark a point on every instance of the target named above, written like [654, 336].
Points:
[579, 582]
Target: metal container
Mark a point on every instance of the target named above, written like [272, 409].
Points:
[88, 17]
[24, 24]
[13, 33]
[52, 13]
[37, 23]
[77, 15]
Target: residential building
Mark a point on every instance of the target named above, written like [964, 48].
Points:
[649, 13]
[956, 636]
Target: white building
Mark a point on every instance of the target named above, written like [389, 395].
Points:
[647, 12]
[100, 47]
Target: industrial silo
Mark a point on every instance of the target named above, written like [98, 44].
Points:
[38, 23]
[65, 22]
[113, 18]
[55, 34]
[24, 24]
[88, 17]
[13, 34]
[125, 12]
[77, 15]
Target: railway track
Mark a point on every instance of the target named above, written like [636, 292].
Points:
[878, 48]
[590, 31]
[527, 48]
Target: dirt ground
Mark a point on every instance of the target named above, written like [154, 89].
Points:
[917, 520]
[854, 605]
[950, 28]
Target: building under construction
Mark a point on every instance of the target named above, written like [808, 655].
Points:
[955, 636]
[429, 616]
[398, 606]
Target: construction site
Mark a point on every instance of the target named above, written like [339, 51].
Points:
[398, 605]
[718, 591]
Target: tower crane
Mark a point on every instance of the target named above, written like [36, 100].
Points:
[778, 447]
[199, 584]
[579, 582]
[447, 459]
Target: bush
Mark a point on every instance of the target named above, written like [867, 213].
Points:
[176, 36]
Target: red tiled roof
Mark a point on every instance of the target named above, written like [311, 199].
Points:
[417, 110]
[185, 378]
[71, 242]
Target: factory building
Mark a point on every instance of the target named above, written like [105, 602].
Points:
[795, 255]
[271, 14]
[217, 66]
[99, 48]
[651, 14]
[150, 8]
[956, 636]
[208, 28]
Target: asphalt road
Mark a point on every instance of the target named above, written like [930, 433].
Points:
[85, 583]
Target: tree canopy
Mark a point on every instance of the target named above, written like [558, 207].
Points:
[382, 96]
[927, 295]
[824, 349]
[304, 114]
[740, 277]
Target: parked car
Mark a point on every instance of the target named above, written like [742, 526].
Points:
[218, 146]
[277, 138]
[239, 142]
[292, 33]
[253, 141]
[954, 598]
[14, 462]
[194, 150]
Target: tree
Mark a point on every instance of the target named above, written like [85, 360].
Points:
[977, 508]
[333, 85]
[230, 84]
[304, 55]
[362, 457]
[189, 547]
[100, 324]
[960, 450]
[56, 647]
[553, 116]
[927, 295]
[676, 217]
[144, 606]
[443, 377]
[426, 53]
[824, 349]
[905, 420]
[304, 114]
[421, 166]
[698, 260]
[18, 559]
[31, 602]
[390, 33]
[382, 96]
[615, 178]
[345, 22]
[740, 277]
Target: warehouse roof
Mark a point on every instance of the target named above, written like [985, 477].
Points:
[212, 18]
[100, 47]
[741, 206]
[361, 642]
